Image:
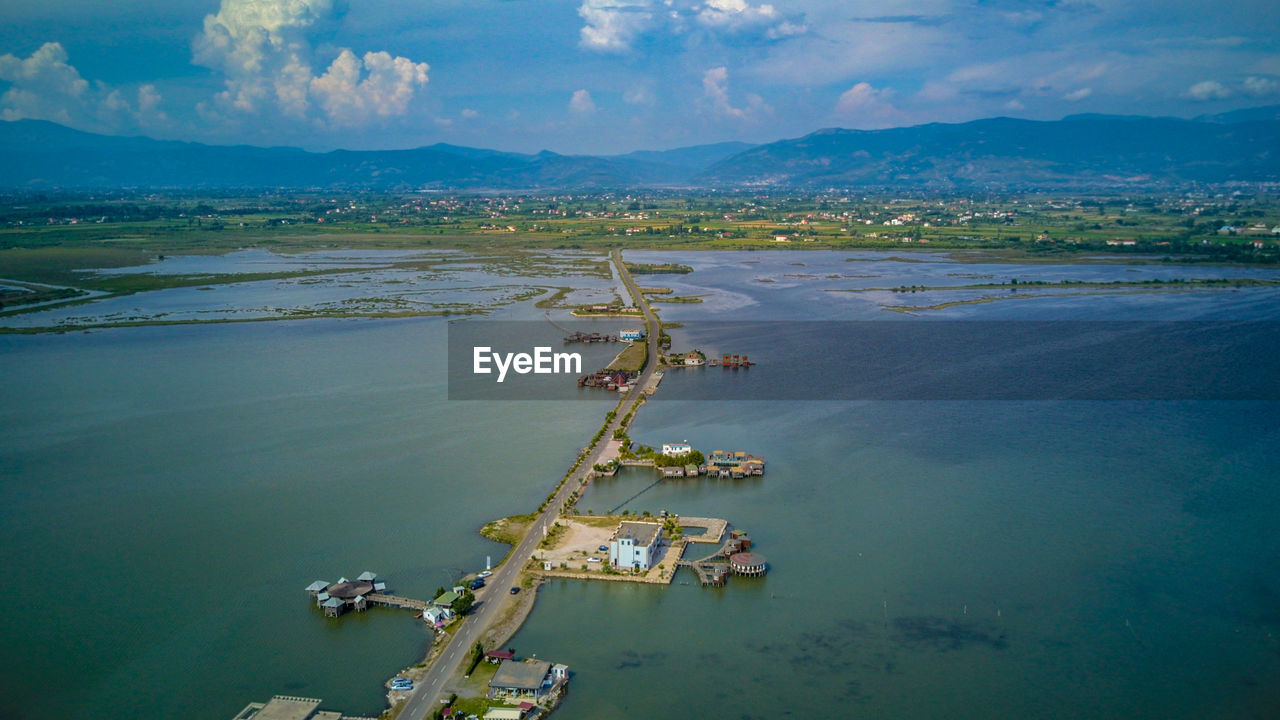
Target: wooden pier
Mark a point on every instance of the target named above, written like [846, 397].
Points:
[397, 601]
[732, 557]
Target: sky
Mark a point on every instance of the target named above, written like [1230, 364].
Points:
[612, 76]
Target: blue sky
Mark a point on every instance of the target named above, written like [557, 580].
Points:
[610, 76]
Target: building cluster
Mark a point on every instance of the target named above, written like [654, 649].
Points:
[733, 464]
[619, 380]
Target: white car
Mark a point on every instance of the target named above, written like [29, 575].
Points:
[593, 559]
[484, 574]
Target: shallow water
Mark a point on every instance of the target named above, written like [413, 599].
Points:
[945, 559]
[168, 492]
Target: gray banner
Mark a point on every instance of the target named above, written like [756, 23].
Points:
[904, 360]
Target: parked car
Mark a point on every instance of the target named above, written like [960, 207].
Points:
[603, 548]
[477, 583]
[515, 590]
[484, 574]
[593, 559]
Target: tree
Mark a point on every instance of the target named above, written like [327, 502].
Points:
[464, 602]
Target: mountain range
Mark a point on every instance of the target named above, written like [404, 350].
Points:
[997, 153]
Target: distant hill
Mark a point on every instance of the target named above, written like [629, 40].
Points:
[695, 157]
[39, 154]
[1079, 151]
[1269, 112]
[996, 153]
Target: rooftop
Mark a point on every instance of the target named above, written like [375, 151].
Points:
[350, 589]
[525, 675]
[642, 532]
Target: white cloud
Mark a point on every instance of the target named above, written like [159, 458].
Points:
[46, 86]
[866, 107]
[469, 114]
[615, 25]
[735, 14]
[353, 92]
[116, 110]
[1078, 95]
[639, 95]
[263, 49]
[1260, 86]
[581, 103]
[715, 89]
[786, 29]
[1208, 90]
[43, 86]
[612, 25]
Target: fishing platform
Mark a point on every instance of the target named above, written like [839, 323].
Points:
[337, 598]
[734, 557]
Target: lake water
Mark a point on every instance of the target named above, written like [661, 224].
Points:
[168, 492]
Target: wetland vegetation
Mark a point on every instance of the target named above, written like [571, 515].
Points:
[89, 247]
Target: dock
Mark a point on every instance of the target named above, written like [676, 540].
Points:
[288, 707]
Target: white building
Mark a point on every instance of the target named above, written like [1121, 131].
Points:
[674, 449]
[631, 334]
[437, 615]
[634, 545]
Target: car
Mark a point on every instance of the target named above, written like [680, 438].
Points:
[484, 574]
[477, 583]
[593, 559]
[515, 590]
[603, 548]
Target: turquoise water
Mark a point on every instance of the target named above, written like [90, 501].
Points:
[168, 492]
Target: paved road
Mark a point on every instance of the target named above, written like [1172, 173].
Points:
[426, 695]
